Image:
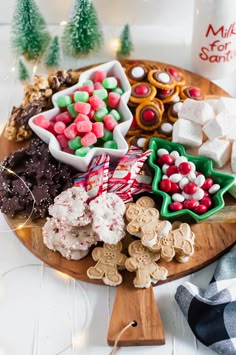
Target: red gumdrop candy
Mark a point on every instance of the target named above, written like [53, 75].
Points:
[96, 102]
[113, 99]
[206, 201]
[174, 188]
[165, 185]
[68, 150]
[184, 168]
[200, 209]
[173, 169]
[81, 117]
[207, 184]
[88, 88]
[98, 85]
[176, 206]
[71, 131]
[42, 121]
[110, 122]
[141, 90]
[82, 107]
[51, 128]
[64, 117]
[99, 76]
[84, 126]
[168, 159]
[91, 115]
[98, 129]
[59, 127]
[190, 203]
[63, 141]
[88, 139]
[190, 188]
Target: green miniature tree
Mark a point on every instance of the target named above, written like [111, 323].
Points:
[23, 74]
[30, 37]
[126, 45]
[52, 54]
[82, 33]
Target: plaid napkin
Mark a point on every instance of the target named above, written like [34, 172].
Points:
[211, 313]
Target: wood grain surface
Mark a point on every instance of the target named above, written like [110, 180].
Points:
[213, 238]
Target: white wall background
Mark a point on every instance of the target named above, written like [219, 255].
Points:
[116, 12]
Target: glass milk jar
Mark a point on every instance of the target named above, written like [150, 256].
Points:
[214, 38]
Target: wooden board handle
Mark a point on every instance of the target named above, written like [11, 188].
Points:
[132, 304]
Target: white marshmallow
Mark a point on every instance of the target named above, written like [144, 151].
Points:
[217, 127]
[233, 157]
[218, 150]
[187, 133]
[231, 135]
[212, 103]
[226, 104]
[197, 111]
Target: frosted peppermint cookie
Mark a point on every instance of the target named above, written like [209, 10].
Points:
[108, 221]
[71, 207]
[72, 243]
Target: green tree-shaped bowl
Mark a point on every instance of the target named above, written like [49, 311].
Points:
[203, 165]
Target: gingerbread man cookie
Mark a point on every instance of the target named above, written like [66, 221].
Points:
[179, 243]
[108, 258]
[142, 261]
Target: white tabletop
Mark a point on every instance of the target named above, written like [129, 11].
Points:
[43, 312]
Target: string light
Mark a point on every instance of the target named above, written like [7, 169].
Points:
[63, 23]
[80, 339]
[115, 44]
[21, 225]
[13, 69]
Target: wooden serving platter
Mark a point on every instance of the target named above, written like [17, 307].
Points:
[213, 238]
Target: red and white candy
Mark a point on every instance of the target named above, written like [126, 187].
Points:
[188, 188]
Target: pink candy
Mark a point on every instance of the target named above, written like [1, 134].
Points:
[98, 129]
[42, 121]
[88, 88]
[64, 117]
[88, 139]
[96, 103]
[99, 76]
[71, 131]
[82, 107]
[113, 99]
[59, 127]
[84, 126]
[110, 122]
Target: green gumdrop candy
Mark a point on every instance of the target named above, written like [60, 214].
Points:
[108, 136]
[110, 145]
[100, 114]
[81, 96]
[71, 110]
[102, 93]
[115, 114]
[118, 91]
[87, 82]
[81, 152]
[75, 143]
[63, 101]
[110, 83]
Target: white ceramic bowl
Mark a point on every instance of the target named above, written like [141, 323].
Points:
[112, 68]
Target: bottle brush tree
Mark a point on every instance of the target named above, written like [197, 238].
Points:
[51, 57]
[29, 37]
[83, 33]
[126, 45]
[23, 74]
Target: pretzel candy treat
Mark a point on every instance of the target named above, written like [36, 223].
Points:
[142, 91]
[161, 79]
